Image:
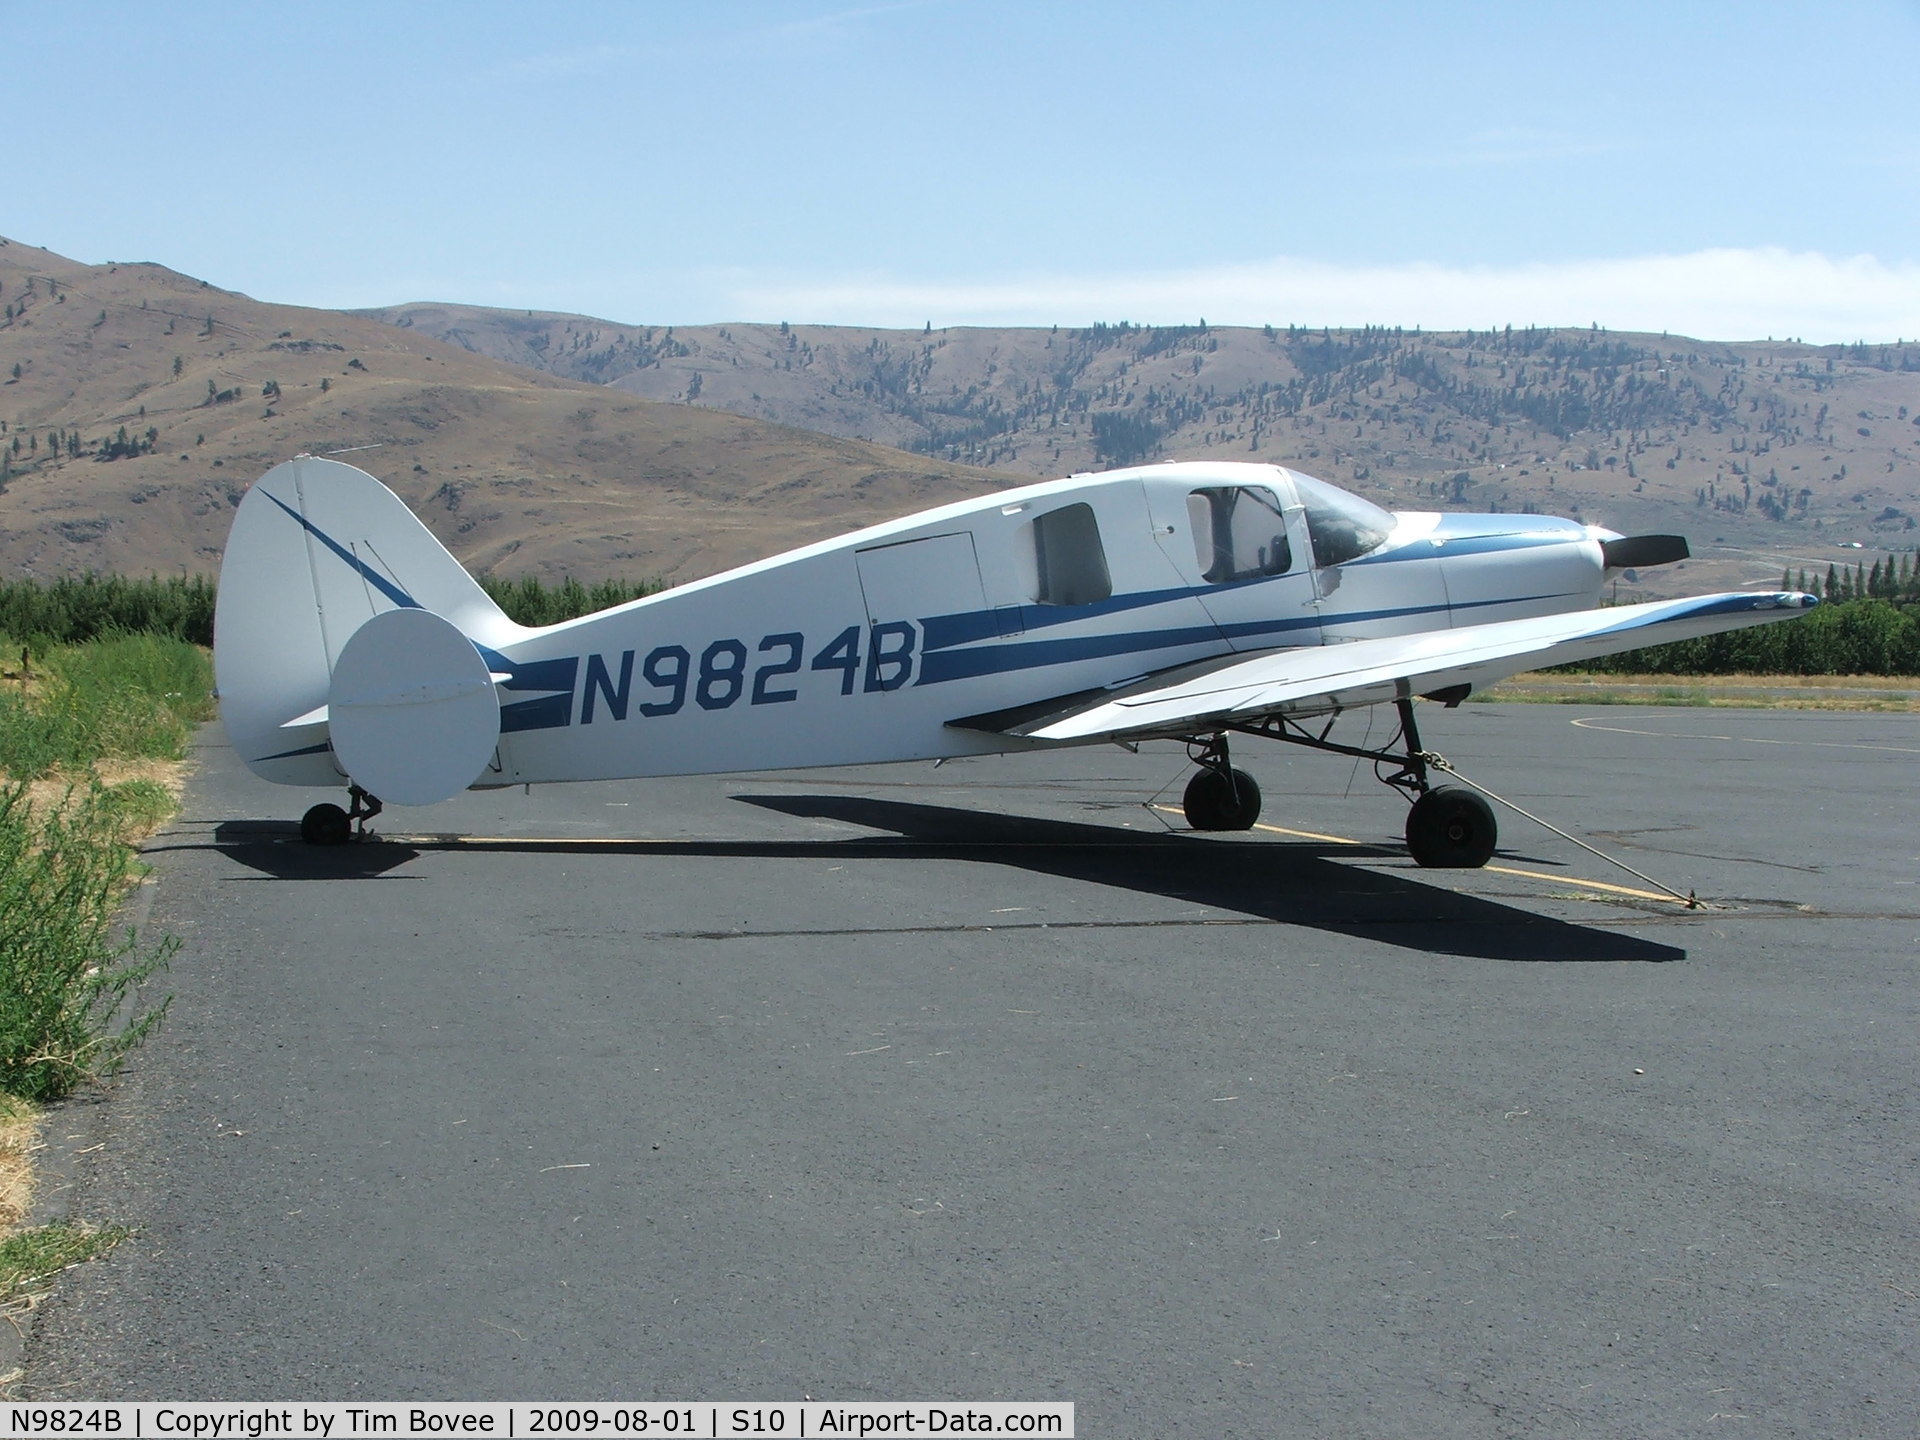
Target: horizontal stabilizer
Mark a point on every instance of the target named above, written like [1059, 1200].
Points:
[414, 716]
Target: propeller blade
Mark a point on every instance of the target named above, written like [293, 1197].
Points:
[1633, 552]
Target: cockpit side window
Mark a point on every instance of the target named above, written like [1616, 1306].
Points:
[1070, 562]
[1238, 533]
[1342, 526]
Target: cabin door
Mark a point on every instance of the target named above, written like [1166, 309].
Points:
[907, 584]
[1244, 550]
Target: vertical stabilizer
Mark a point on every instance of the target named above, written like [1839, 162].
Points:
[317, 549]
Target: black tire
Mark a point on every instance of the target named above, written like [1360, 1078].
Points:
[1451, 828]
[1215, 802]
[326, 825]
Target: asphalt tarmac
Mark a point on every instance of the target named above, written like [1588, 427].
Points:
[992, 1082]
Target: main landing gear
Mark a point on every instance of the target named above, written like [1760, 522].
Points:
[1450, 827]
[328, 824]
[1219, 797]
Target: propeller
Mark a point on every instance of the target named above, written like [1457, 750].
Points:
[1633, 552]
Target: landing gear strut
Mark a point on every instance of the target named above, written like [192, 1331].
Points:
[1219, 797]
[1449, 827]
[328, 824]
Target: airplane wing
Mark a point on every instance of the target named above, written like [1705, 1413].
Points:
[1319, 680]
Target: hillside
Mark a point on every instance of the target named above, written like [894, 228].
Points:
[136, 404]
[1769, 455]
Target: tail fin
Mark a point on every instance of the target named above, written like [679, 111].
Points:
[317, 549]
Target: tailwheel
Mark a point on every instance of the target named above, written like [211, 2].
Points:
[1451, 828]
[326, 825]
[1220, 797]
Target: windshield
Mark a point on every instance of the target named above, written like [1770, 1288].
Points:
[1342, 526]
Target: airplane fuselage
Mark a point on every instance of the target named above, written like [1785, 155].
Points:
[1192, 601]
[865, 647]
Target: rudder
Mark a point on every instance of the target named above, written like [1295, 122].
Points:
[316, 550]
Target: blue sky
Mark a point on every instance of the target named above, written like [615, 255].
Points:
[1715, 169]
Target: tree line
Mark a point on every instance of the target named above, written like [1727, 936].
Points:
[1852, 637]
[1863, 633]
[75, 609]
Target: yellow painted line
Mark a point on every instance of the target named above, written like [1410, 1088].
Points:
[1310, 835]
[1572, 880]
[1586, 884]
[1277, 830]
[444, 840]
[608, 843]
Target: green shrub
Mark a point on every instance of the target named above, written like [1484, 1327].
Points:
[64, 976]
[528, 602]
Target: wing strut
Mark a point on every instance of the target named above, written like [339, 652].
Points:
[1410, 762]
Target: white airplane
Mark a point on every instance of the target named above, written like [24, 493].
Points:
[1191, 601]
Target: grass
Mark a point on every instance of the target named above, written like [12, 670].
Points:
[30, 1258]
[67, 976]
[1874, 693]
[123, 696]
[91, 735]
[19, 1140]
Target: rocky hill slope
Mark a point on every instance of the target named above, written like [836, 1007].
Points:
[1770, 455]
[136, 404]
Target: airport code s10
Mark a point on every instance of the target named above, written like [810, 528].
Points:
[144, 1420]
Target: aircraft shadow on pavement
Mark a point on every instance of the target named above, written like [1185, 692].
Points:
[275, 849]
[1290, 883]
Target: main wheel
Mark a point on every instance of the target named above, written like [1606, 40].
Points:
[1221, 802]
[1451, 828]
[326, 825]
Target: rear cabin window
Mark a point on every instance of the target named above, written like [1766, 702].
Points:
[1238, 533]
[1343, 527]
[1068, 556]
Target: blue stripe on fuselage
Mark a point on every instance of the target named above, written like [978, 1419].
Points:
[945, 665]
[942, 666]
[942, 632]
[545, 712]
